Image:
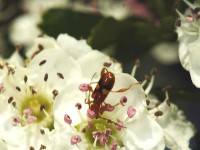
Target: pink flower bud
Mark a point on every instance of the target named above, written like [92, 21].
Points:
[113, 146]
[119, 125]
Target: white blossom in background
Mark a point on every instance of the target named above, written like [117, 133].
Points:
[165, 53]
[168, 116]
[26, 25]
[188, 36]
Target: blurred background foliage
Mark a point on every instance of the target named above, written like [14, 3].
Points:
[125, 40]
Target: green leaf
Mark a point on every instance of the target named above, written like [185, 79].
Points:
[77, 24]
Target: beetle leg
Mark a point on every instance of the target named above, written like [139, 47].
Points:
[125, 89]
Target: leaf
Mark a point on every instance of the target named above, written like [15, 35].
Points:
[77, 24]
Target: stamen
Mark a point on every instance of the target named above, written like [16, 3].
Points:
[42, 147]
[42, 131]
[95, 142]
[78, 105]
[107, 64]
[136, 65]
[165, 89]
[45, 112]
[67, 119]
[189, 4]
[55, 93]
[150, 85]
[18, 89]
[146, 79]
[131, 111]
[75, 139]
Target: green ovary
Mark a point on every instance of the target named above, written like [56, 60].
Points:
[39, 103]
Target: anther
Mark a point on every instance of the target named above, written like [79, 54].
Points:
[42, 62]
[83, 130]
[78, 105]
[75, 139]
[147, 102]
[14, 104]
[46, 77]
[42, 131]
[25, 79]
[178, 23]
[31, 119]
[131, 111]
[31, 148]
[168, 102]
[27, 112]
[158, 113]
[60, 75]
[67, 119]
[42, 147]
[32, 90]
[123, 100]
[55, 92]
[119, 125]
[15, 121]
[107, 64]
[42, 107]
[10, 100]
[18, 88]
[84, 87]
[40, 47]
[91, 114]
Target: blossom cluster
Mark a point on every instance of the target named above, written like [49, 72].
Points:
[188, 36]
[65, 95]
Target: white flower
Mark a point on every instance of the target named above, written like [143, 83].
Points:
[188, 35]
[120, 121]
[25, 28]
[27, 101]
[170, 118]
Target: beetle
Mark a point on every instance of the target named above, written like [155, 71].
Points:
[103, 88]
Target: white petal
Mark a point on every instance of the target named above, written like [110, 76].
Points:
[144, 134]
[73, 47]
[3, 145]
[65, 104]
[175, 125]
[194, 62]
[56, 62]
[135, 96]
[95, 62]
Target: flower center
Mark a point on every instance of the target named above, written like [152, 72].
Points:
[37, 108]
[100, 132]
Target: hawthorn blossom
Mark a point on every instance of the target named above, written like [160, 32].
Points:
[27, 102]
[168, 116]
[188, 36]
[107, 126]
